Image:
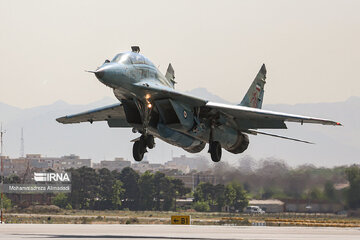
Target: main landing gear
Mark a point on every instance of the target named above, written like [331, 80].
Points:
[215, 151]
[139, 147]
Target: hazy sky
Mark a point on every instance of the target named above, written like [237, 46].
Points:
[311, 48]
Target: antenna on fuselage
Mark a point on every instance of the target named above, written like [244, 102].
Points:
[22, 143]
[135, 49]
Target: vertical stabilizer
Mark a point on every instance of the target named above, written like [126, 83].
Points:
[170, 74]
[255, 95]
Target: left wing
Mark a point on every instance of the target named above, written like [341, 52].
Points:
[112, 113]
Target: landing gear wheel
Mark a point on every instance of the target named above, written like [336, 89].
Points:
[150, 143]
[215, 151]
[139, 148]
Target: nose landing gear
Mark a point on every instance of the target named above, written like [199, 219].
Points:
[139, 147]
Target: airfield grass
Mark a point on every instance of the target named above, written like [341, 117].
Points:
[197, 218]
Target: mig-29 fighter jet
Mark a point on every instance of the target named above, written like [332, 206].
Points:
[151, 106]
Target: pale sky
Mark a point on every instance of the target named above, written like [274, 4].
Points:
[311, 48]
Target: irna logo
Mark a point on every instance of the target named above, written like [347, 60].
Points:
[51, 177]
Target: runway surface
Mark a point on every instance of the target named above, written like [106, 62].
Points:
[164, 232]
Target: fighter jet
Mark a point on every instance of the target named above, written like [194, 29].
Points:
[150, 105]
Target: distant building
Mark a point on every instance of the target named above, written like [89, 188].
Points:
[96, 165]
[144, 166]
[269, 205]
[35, 162]
[193, 179]
[187, 164]
[118, 164]
[341, 186]
[73, 161]
[7, 168]
[174, 165]
[15, 166]
[311, 206]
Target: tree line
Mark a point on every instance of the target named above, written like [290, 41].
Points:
[103, 189]
[215, 197]
[275, 179]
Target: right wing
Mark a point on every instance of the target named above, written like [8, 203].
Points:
[254, 118]
[159, 91]
[113, 114]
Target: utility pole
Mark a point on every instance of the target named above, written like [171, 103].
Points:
[22, 143]
[2, 173]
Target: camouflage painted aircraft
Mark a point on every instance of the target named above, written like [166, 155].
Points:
[151, 106]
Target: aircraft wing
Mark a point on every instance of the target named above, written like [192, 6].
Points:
[158, 91]
[244, 117]
[110, 113]
[254, 118]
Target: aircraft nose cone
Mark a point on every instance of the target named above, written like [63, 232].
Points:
[99, 73]
[108, 74]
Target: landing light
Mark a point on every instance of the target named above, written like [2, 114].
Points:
[149, 105]
[147, 96]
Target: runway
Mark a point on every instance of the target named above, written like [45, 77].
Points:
[164, 232]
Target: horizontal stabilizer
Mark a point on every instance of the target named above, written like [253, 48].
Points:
[253, 132]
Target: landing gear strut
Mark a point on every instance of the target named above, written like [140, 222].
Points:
[215, 151]
[139, 147]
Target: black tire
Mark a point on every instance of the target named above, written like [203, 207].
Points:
[150, 143]
[215, 151]
[138, 151]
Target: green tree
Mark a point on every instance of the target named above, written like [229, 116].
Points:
[117, 194]
[230, 195]
[219, 191]
[329, 191]
[105, 196]
[353, 193]
[12, 179]
[315, 194]
[130, 179]
[159, 187]
[201, 206]
[236, 196]
[204, 192]
[179, 189]
[75, 194]
[147, 191]
[6, 202]
[84, 188]
[60, 200]
[169, 194]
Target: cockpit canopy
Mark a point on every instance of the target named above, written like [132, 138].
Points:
[129, 58]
